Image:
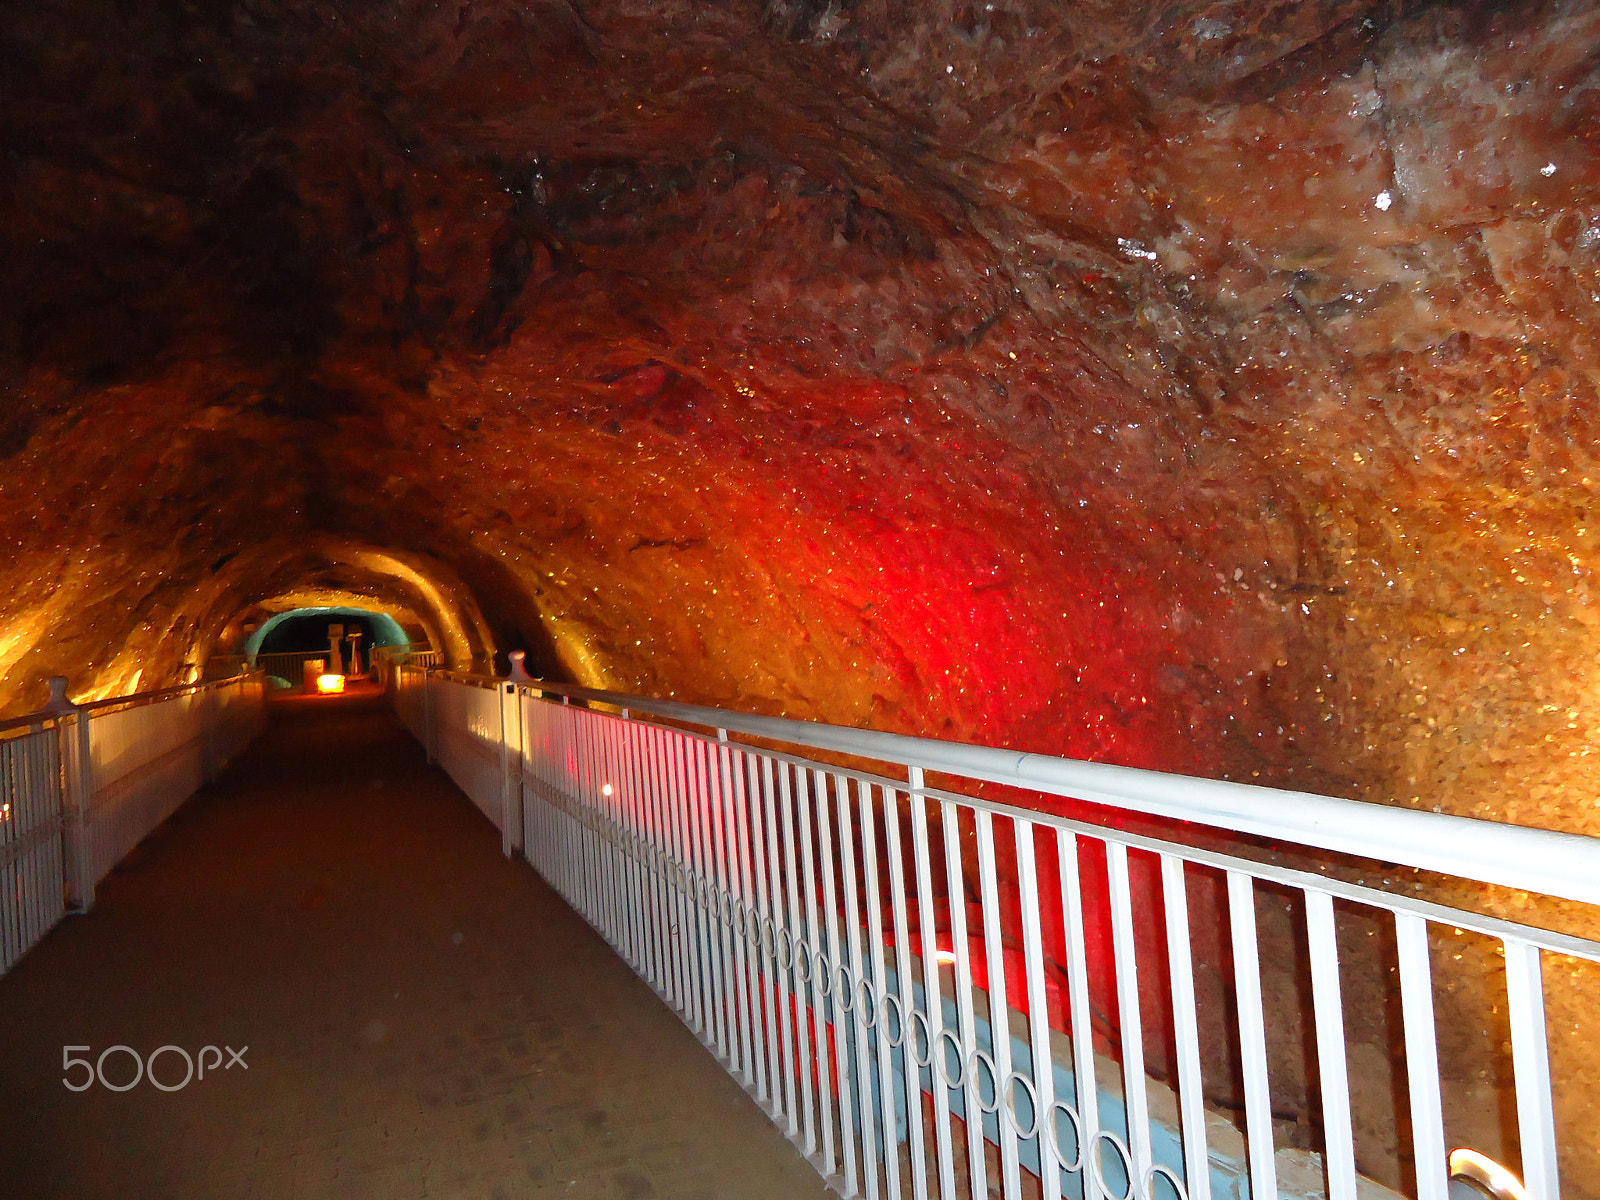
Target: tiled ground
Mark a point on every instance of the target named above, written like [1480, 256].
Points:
[423, 1017]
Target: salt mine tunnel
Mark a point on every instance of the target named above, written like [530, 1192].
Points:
[1203, 387]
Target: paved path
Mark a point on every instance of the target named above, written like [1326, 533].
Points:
[424, 1018]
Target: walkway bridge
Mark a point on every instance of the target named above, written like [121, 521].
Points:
[1202, 990]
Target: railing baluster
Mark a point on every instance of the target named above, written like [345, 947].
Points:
[977, 1168]
[994, 957]
[775, 988]
[811, 864]
[857, 1020]
[1530, 1058]
[1332, 1063]
[872, 1007]
[906, 994]
[1422, 1056]
[1041, 1066]
[933, 1001]
[1136, 1099]
[1253, 1038]
[1186, 1029]
[792, 975]
[841, 1057]
[743, 828]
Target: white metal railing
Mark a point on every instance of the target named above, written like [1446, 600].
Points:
[847, 938]
[32, 884]
[80, 786]
[290, 664]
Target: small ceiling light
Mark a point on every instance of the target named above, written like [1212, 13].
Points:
[330, 683]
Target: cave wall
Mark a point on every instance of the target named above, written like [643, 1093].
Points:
[1207, 387]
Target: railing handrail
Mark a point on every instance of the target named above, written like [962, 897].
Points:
[1543, 861]
[135, 699]
[132, 700]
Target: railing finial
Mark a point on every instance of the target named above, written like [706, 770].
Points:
[59, 705]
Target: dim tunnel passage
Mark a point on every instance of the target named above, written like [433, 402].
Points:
[396, 1009]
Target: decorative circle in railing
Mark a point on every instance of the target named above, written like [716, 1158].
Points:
[1167, 1173]
[821, 973]
[844, 986]
[866, 1003]
[1012, 1080]
[980, 1058]
[925, 1059]
[896, 1034]
[1121, 1147]
[960, 1079]
[1061, 1106]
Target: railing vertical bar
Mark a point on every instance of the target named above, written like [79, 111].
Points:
[817, 1035]
[671, 858]
[994, 957]
[1530, 1058]
[674, 794]
[640, 848]
[872, 898]
[841, 1057]
[650, 855]
[1332, 1065]
[1042, 1066]
[1422, 1056]
[933, 1001]
[800, 1030]
[972, 1115]
[695, 930]
[1135, 1096]
[705, 810]
[1252, 1038]
[908, 1073]
[857, 1026]
[1186, 1029]
[1079, 1010]
[619, 893]
[738, 982]
[780, 1028]
[749, 948]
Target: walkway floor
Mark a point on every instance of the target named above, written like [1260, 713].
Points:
[423, 1018]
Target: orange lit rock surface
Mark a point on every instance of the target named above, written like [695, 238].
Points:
[1205, 387]
[1201, 386]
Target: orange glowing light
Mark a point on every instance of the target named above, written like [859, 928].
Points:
[1480, 1168]
[330, 683]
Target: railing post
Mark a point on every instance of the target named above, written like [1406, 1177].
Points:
[75, 795]
[210, 768]
[427, 715]
[510, 768]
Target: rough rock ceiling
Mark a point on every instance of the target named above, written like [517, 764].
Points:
[1207, 386]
